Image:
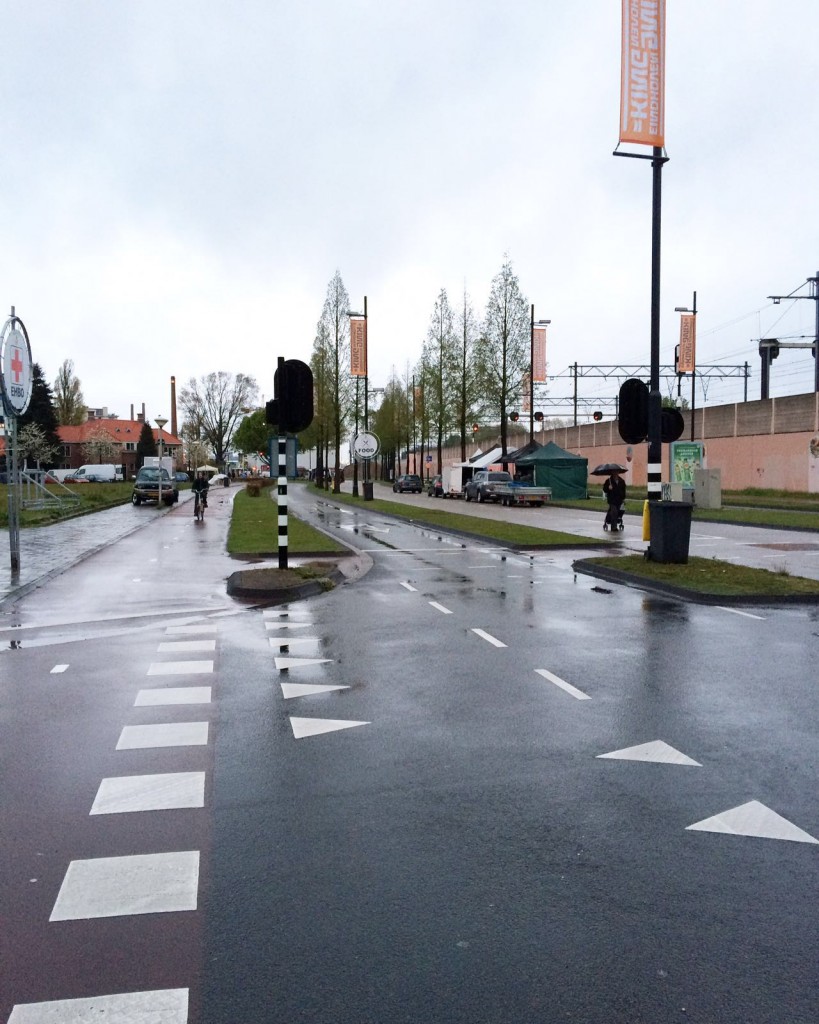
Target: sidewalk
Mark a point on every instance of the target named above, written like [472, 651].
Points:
[46, 551]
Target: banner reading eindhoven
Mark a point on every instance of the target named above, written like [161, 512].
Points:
[686, 362]
[642, 82]
[539, 355]
[358, 347]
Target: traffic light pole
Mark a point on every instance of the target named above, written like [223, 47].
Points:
[655, 446]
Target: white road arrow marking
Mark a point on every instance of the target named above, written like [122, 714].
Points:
[290, 690]
[753, 819]
[657, 751]
[316, 726]
[283, 663]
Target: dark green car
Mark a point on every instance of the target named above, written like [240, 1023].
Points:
[146, 486]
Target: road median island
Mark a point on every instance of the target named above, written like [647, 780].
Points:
[703, 580]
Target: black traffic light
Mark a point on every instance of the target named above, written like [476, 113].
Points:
[514, 416]
[539, 416]
[672, 425]
[475, 428]
[292, 408]
[633, 411]
[597, 416]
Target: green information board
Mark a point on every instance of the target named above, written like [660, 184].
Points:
[686, 456]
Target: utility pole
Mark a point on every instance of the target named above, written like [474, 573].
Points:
[813, 295]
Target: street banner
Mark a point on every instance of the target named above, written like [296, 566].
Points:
[688, 344]
[539, 355]
[642, 73]
[358, 347]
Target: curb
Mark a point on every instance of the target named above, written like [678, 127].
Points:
[681, 593]
[240, 584]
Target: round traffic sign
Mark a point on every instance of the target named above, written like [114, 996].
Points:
[365, 445]
[17, 376]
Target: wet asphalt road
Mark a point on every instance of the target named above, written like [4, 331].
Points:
[460, 851]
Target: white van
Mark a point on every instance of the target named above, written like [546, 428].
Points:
[105, 472]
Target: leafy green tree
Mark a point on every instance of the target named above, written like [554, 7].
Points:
[253, 433]
[146, 445]
[69, 403]
[503, 350]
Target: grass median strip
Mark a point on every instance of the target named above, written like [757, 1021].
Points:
[254, 529]
[491, 529]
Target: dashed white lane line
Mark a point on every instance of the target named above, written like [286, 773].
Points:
[173, 695]
[165, 734]
[179, 668]
[317, 726]
[488, 636]
[169, 1005]
[409, 586]
[572, 690]
[186, 646]
[736, 611]
[192, 630]
[169, 791]
[440, 608]
[154, 883]
[57, 669]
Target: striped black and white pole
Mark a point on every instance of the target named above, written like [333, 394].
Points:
[282, 502]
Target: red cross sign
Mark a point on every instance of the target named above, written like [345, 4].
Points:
[16, 366]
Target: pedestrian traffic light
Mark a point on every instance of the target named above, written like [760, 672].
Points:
[597, 416]
[632, 420]
[292, 408]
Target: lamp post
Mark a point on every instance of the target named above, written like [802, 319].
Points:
[533, 323]
[160, 422]
[693, 310]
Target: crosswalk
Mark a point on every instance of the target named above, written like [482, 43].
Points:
[142, 882]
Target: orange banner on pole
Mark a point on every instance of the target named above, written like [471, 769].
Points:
[525, 403]
[686, 362]
[642, 73]
[539, 355]
[358, 347]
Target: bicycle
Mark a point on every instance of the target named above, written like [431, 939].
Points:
[200, 503]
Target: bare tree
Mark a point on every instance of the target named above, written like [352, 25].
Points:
[101, 447]
[213, 407]
[334, 337]
[502, 352]
[462, 372]
[435, 372]
[69, 403]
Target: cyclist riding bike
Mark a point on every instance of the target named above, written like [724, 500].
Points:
[200, 495]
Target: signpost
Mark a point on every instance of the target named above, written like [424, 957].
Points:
[15, 383]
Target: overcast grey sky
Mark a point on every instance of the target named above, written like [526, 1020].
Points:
[182, 178]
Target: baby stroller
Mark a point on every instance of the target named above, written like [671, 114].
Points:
[614, 518]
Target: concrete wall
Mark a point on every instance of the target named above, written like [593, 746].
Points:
[754, 444]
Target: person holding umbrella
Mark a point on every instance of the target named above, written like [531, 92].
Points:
[614, 490]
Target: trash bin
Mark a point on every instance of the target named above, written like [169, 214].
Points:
[368, 490]
[670, 526]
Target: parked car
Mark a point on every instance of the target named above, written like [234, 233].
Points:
[481, 486]
[407, 482]
[435, 488]
[146, 486]
[105, 472]
[182, 478]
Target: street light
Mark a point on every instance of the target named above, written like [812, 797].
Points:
[534, 323]
[160, 422]
[693, 310]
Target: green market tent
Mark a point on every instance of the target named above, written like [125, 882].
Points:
[554, 467]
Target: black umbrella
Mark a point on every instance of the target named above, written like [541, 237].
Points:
[608, 468]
